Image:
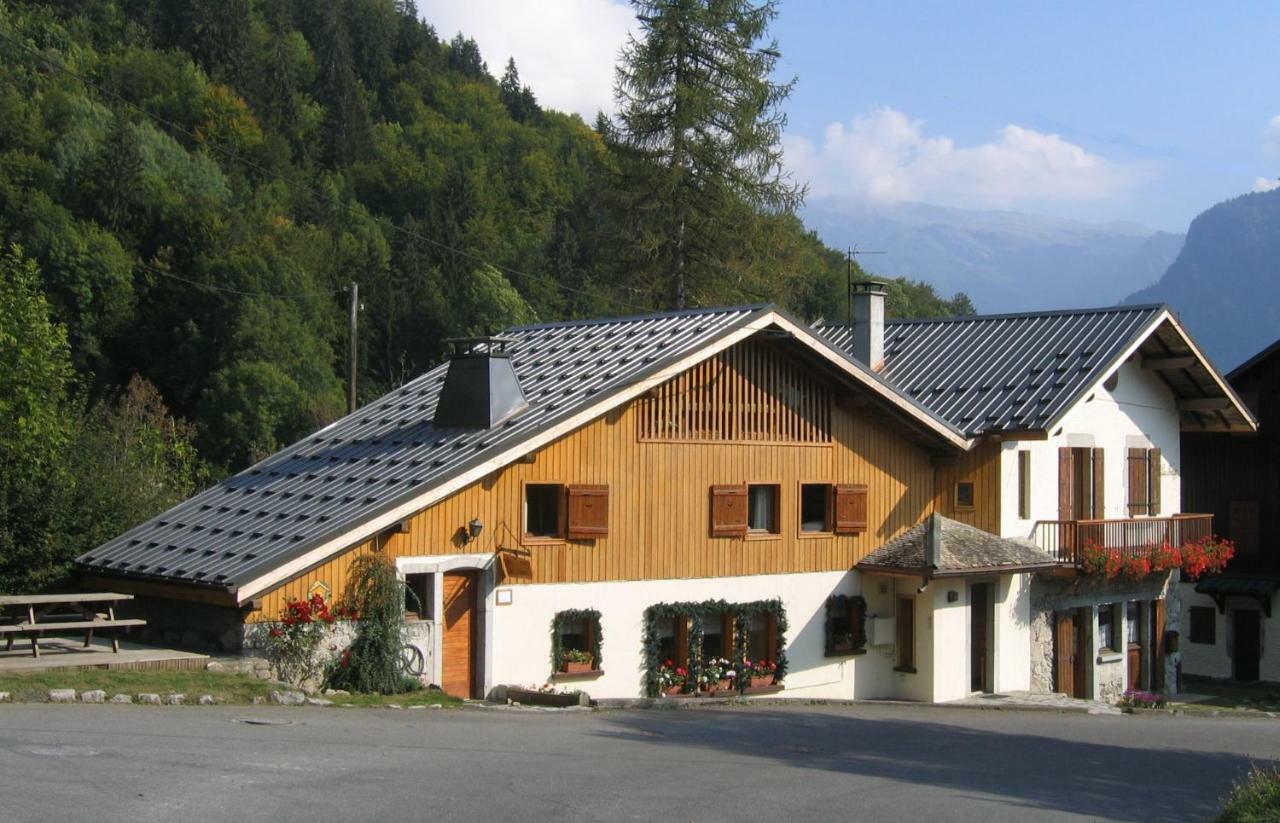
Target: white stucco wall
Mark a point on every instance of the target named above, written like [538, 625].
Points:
[521, 642]
[1140, 406]
[1216, 660]
[1012, 633]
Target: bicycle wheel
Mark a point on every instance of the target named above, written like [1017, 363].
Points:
[412, 661]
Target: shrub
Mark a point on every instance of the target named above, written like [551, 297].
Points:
[1254, 799]
[293, 642]
[372, 663]
[1135, 699]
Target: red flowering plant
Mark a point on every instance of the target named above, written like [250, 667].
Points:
[1205, 556]
[293, 642]
[1208, 555]
[670, 676]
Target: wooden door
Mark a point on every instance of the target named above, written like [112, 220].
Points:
[979, 627]
[1248, 643]
[458, 666]
[1069, 668]
[1158, 617]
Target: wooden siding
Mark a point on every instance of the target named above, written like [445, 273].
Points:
[659, 508]
[981, 467]
[749, 393]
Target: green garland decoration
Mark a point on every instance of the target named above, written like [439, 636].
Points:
[568, 616]
[856, 606]
[698, 613]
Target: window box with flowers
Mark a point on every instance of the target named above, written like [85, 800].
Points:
[1209, 555]
[719, 675]
[672, 679]
[702, 642]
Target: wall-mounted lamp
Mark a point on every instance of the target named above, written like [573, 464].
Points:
[472, 531]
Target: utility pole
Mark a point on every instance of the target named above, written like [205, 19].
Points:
[848, 276]
[351, 367]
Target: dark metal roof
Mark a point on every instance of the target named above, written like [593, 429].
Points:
[1004, 372]
[962, 549]
[1240, 585]
[389, 453]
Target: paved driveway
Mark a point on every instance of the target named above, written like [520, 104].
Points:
[761, 764]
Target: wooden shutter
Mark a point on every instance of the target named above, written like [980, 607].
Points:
[1024, 484]
[1099, 486]
[906, 633]
[588, 512]
[1153, 481]
[1138, 482]
[1158, 618]
[851, 508]
[1066, 478]
[728, 511]
[1064, 652]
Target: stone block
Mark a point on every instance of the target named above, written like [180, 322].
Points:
[5, 697]
[93, 696]
[258, 700]
[318, 701]
[121, 698]
[175, 699]
[150, 698]
[62, 695]
[288, 698]
[205, 700]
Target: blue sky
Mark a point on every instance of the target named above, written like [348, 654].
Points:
[1149, 112]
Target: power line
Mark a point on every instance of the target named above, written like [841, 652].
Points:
[320, 195]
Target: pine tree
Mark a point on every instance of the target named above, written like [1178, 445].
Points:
[700, 127]
[518, 99]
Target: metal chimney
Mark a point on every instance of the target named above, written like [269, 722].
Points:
[933, 542]
[867, 299]
[480, 389]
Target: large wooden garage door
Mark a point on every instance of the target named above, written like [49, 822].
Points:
[458, 666]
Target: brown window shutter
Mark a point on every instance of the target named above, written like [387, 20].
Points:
[1158, 621]
[728, 511]
[588, 516]
[1138, 482]
[851, 508]
[1024, 484]
[1153, 481]
[1066, 476]
[1099, 486]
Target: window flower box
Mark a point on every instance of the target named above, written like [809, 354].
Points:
[576, 667]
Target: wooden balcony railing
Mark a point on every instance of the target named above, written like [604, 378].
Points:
[1065, 539]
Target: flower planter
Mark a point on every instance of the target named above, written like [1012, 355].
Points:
[577, 668]
[759, 681]
[672, 691]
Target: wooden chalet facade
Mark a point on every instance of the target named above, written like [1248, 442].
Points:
[1236, 478]
[692, 485]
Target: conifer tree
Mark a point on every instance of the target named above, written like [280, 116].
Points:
[700, 125]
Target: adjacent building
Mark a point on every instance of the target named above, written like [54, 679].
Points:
[881, 510]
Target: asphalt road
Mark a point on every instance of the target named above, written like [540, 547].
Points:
[789, 764]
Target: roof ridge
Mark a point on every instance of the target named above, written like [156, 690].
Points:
[974, 318]
[632, 318]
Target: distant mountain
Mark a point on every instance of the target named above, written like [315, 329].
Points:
[1004, 261]
[1225, 283]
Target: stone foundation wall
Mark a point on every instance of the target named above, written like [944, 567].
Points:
[1107, 672]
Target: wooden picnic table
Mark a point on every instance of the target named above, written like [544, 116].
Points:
[58, 613]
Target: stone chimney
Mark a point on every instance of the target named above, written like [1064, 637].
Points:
[867, 300]
[480, 389]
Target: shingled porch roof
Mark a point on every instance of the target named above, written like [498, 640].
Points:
[958, 550]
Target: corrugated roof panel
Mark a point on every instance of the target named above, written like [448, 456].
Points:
[1003, 372]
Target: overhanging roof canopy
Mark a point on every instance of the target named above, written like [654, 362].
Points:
[1259, 587]
[941, 547]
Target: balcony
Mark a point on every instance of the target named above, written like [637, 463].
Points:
[1065, 539]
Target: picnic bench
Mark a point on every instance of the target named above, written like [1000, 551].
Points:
[61, 614]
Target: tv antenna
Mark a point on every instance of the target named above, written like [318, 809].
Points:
[850, 253]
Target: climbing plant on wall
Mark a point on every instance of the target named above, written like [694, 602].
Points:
[697, 613]
[591, 618]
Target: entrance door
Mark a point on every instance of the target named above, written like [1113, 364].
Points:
[458, 668]
[1248, 643]
[1133, 633]
[979, 628]
[1069, 667]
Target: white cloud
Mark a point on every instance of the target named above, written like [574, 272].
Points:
[886, 156]
[1265, 184]
[565, 49]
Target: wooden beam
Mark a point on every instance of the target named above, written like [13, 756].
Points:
[1203, 404]
[1022, 434]
[1168, 363]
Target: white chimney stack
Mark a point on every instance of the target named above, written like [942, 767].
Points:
[868, 322]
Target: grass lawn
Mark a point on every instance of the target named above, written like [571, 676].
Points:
[1259, 697]
[226, 688]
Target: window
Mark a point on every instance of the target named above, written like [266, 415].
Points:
[846, 628]
[542, 510]
[717, 636]
[418, 596]
[1203, 625]
[576, 631]
[906, 640]
[762, 509]
[1024, 484]
[964, 495]
[762, 636]
[815, 507]
[1144, 482]
[1106, 628]
[1080, 483]
[1132, 623]
[673, 640]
